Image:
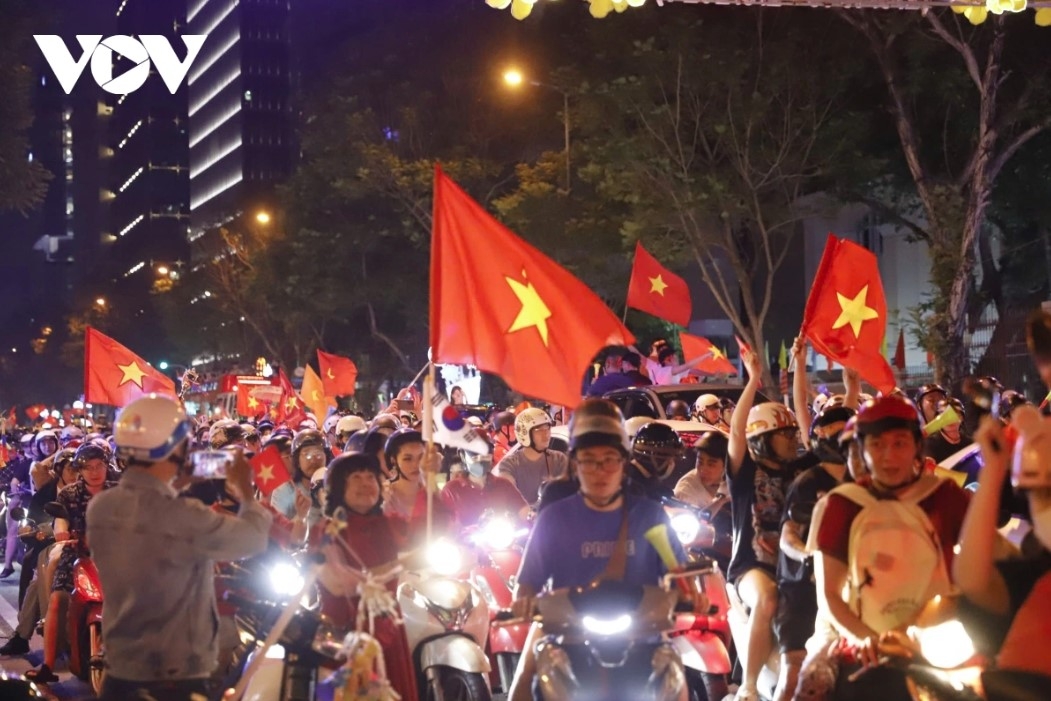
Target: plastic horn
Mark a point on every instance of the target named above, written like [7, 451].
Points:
[946, 418]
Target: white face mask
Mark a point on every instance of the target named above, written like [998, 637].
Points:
[480, 466]
[1042, 527]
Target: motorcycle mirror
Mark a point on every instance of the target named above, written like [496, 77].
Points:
[801, 512]
[56, 510]
[18, 513]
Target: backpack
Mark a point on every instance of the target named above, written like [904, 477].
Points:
[895, 561]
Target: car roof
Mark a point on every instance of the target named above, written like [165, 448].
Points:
[684, 387]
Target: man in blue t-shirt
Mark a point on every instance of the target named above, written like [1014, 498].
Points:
[575, 538]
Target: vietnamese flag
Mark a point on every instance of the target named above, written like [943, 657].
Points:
[656, 290]
[899, 352]
[269, 470]
[249, 404]
[338, 374]
[114, 375]
[696, 346]
[290, 408]
[846, 313]
[499, 304]
[313, 394]
[34, 412]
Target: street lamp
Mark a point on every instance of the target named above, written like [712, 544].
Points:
[100, 301]
[263, 217]
[162, 270]
[513, 78]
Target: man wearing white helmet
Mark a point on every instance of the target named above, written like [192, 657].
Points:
[709, 409]
[347, 426]
[533, 464]
[155, 555]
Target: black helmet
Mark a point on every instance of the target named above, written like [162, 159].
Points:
[1009, 401]
[713, 443]
[502, 420]
[827, 447]
[62, 458]
[598, 422]
[656, 447]
[677, 409]
[396, 441]
[283, 442]
[87, 452]
[929, 388]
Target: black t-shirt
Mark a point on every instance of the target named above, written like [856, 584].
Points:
[807, 488]
[648, 486]
[556, 490]
[938, 449]
[757, 498]
[1020, 576]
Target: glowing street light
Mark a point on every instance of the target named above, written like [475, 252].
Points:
[100, 301]
[162, 270]
[263, 217]
[513, 77]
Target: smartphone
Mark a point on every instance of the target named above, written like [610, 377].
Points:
[405, 404]
[210, 464]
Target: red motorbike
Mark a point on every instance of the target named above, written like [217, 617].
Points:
[499, 542]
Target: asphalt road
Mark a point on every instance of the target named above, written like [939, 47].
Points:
[68, 687]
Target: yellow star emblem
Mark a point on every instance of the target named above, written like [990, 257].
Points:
[534, 311]
[253, 403]
[854, 311]
[291, 403]
[131, 373]
[716, 353]
[266, 473]
[658, 285]
[273, 413]
[331, 375]
[314, 395]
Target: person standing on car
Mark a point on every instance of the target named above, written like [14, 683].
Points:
[666, 370]
[534, 463]
[155, 554]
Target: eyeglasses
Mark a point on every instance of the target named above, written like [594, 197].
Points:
[611, 464]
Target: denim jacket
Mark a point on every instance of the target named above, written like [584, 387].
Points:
[155, 553]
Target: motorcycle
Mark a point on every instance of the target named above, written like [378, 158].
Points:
[701, 639]
[500, 545]
[35, 537]
[87, 653]
[446, 622]
[604, 642]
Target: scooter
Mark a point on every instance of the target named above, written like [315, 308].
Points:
[446, 622]
[87, 655]
[604, 642]
[499, 544]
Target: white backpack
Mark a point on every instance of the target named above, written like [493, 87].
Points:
[895, 560]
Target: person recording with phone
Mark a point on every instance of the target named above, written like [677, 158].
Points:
[155, 556]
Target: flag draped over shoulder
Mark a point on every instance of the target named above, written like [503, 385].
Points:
[114, 375]
[846, 313]
[501, 305]
[656, 290]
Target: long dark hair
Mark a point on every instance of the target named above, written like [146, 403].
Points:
[340, 470]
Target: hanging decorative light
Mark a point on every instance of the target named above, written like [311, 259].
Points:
[520, 9]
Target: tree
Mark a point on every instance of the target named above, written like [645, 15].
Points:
[985, 111]
[23, 183]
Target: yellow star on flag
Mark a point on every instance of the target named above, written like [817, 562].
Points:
[716, 353]
[291, 404]
[658, 285]
[854, 311]
[534, 311]
[266, 473]
[132, 373]
[253, 403]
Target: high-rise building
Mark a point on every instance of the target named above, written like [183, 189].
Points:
[239, 107]
[148, 193]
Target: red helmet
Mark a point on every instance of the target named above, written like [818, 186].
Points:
[883, 414]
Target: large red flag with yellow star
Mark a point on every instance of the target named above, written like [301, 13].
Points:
[269, 470]
[501, 305]
[114, 375]
[846, 314]
[656, 290]
[696, 346]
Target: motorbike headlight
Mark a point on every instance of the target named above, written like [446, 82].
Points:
[498, 533]
[946, 645]
[686, 526]
[606, 626]
[286, 580]
[444, 558]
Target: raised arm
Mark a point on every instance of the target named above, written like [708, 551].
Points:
[800, 399]
[691, 363]
[737, 446]
[852, 384]
[973, 570]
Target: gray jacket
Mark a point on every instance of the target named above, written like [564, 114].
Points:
[155, 554]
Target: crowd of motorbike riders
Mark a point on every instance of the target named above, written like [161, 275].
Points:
[832, 526]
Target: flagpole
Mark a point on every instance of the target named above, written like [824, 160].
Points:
[420, 374]
[428, 438]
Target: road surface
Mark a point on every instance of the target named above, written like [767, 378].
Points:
[68, 687]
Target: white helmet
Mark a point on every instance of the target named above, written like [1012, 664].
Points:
[329, 425]
[70, 433]
[350, 424]
[705, 401]
[767, 417]
[150, 429]
[819, 403]
[307, 423]
[526, 421]
[632, 425]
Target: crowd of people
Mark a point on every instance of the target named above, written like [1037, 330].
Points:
[834, 526]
